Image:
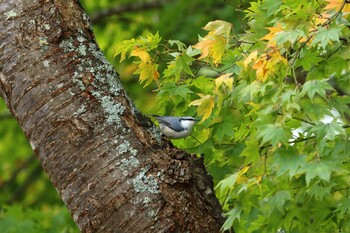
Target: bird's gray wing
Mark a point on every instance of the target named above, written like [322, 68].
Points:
[172, 122]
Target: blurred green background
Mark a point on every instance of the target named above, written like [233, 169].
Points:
[28, 201]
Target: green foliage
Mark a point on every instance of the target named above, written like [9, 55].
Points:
[275, 117]
[15, 219]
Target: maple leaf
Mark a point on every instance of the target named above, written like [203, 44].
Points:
[252, 57]
[123, 48]
[268, 63]
[214, 44]
[205, 105]
[148, 43]
[325, 36]
[273, 32]
[146, 68]
[212, 47]
[260, 67]
[320, 19]
[274, 134]
[224, 79]
[218, 28]
[141, 53]
[204, 45]
[313, 87]
[179, 65]
[336, 5]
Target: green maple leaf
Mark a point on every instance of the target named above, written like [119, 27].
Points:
[325, 36]
[343, 207]
[225, 127]
[319, 192]
[231, 216]
[274, 134]
[289, 36]
[321, 169]
[172, 89]
[278, 200]
[316, 87]
[328, 130]
[179, 64]
[309, 60]
[288, 161]
[251, 151]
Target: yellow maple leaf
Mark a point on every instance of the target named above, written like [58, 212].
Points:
[240, 173]
[260, 67]
[204, 46]
[148, 72]
[219, 28]
[320, 19]
[205, 106]
[224, 79]
[252, 57]
[146, 68]
[212, 47]
[336, 5]
[267, 63]
[273, 32]
[141, 53]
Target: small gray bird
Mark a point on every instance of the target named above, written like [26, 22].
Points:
[176, 127]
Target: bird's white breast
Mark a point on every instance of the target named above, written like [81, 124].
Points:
[170, 133]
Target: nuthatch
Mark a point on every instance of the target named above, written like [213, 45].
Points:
[176, 127]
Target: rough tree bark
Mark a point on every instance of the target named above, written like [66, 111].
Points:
[111, 168]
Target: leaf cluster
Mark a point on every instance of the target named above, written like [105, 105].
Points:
[274, 108]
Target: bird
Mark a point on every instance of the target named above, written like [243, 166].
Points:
[175, 127]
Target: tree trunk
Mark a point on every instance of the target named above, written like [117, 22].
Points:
[111, 168]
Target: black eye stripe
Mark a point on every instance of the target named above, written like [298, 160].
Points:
[187, 119]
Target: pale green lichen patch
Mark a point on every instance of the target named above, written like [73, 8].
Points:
[146, 200]
[123, 147]
[126, 147]
[128, 163]
[77, 80]
[46, 63]
[104, 76]
[44, 44]
[10, 14]
[32, 23]
[160, 175]
[145, 183]
[112, 109]
[82, 49]
[80, 110]
[67, 45]
[47, 26]
[125, 173]
[151, 213]
[81, 39]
